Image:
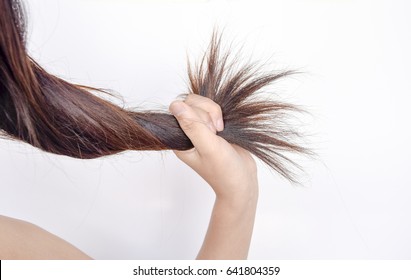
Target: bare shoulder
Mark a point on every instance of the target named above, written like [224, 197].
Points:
[23, 240]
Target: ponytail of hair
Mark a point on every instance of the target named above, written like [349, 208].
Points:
[59, 117]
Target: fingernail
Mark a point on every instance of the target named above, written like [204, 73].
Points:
[177, 108]
[220, 125]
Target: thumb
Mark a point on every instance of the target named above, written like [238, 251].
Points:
[192, 125]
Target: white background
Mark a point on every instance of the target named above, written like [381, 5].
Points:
[355, 198]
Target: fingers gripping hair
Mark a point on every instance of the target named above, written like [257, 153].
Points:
[67, 119]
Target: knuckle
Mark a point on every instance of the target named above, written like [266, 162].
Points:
[213, 108]
[189, 99]
[187, 125]
[208, 118]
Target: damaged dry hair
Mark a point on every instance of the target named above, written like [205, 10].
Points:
[59, 117]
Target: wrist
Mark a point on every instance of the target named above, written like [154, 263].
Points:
[240, 190]
[240, 199]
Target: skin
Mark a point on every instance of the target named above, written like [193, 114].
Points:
[228, 169]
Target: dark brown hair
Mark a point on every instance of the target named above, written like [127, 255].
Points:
[68, 119]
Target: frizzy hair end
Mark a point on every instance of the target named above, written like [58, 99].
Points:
[59, 117]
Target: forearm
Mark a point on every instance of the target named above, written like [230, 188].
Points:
[230, 170]
[230, 229]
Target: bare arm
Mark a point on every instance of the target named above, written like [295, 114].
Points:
[230, 229]
[230, 171]
[22, 240]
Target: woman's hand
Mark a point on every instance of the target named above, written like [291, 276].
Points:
[231, 172]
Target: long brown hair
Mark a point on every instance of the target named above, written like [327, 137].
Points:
[59, 117]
